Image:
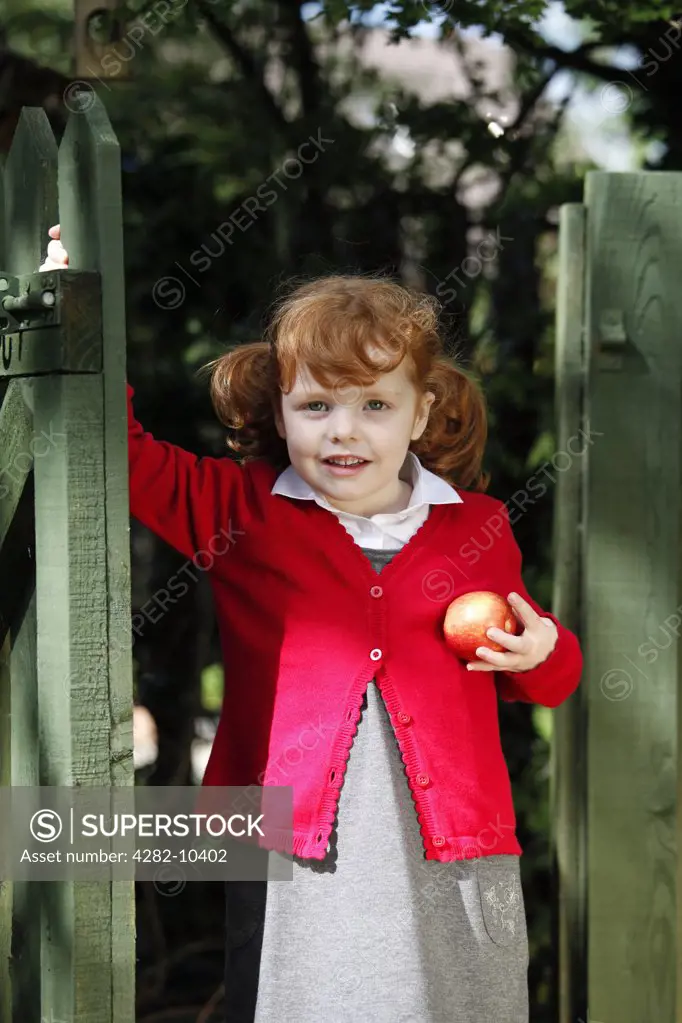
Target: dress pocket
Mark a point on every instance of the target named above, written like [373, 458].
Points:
[499, 885]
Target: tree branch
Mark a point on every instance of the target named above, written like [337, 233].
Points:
[247, 65]
[519, 155]
[528, 103]
[303, 59]
[576, 60]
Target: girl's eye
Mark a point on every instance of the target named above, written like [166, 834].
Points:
[308, 406]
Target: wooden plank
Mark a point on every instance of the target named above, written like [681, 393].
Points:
[83, 586]
[17, 541]
[632, 591]
[93, 220]
[90, 199]
[678, 812]
[5, 886]
[74, 725]
[5, 716]
[568, 753]
[29, 206]
[16, 455]
[17, 530]
[17, 659]
[30, 190]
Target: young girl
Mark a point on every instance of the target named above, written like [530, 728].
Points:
[357, 514]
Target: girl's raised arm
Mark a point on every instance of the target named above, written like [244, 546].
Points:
[190, 502]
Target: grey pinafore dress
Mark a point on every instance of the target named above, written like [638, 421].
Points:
[375, 933]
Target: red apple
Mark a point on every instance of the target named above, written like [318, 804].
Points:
[468, 618]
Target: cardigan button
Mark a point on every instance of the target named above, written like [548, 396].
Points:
[423, 780]
[375, 654]
[376, 591]
[438, 841]
[403, 717]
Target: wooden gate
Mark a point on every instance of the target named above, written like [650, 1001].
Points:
[618, 584]
[67, 949]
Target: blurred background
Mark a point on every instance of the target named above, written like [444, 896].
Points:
[266, 138]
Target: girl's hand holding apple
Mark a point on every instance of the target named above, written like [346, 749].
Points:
[508, 651]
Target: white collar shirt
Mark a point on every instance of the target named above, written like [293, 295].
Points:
[384, 531]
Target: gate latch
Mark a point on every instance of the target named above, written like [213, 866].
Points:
[50, 322]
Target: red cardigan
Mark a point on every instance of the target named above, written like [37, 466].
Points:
[305, 623]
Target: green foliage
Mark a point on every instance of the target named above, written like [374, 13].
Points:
[506, 17]
[489, 15]
[625, 12]
[544, 722]
[212, 682]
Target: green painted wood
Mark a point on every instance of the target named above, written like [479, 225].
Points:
[83, 585]
[70, 681]
[30, 190]
[15, 465]
[5, 886]
[93, 223]
[2, 211]
[5, 717]
[74, 725]
[93, 234]
[568, 768]
[30, 205]
[94, 228]
[631, 583]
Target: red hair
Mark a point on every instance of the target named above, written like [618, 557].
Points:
[331, 325]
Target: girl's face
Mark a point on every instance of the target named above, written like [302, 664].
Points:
[375, 423]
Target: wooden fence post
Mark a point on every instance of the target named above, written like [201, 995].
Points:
[81, 711]
[30, 204]
[630, 585]
[568, 768]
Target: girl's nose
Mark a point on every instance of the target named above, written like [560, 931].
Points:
[341, 423]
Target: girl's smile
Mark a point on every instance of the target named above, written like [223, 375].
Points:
[342, 468]
[383, 418]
